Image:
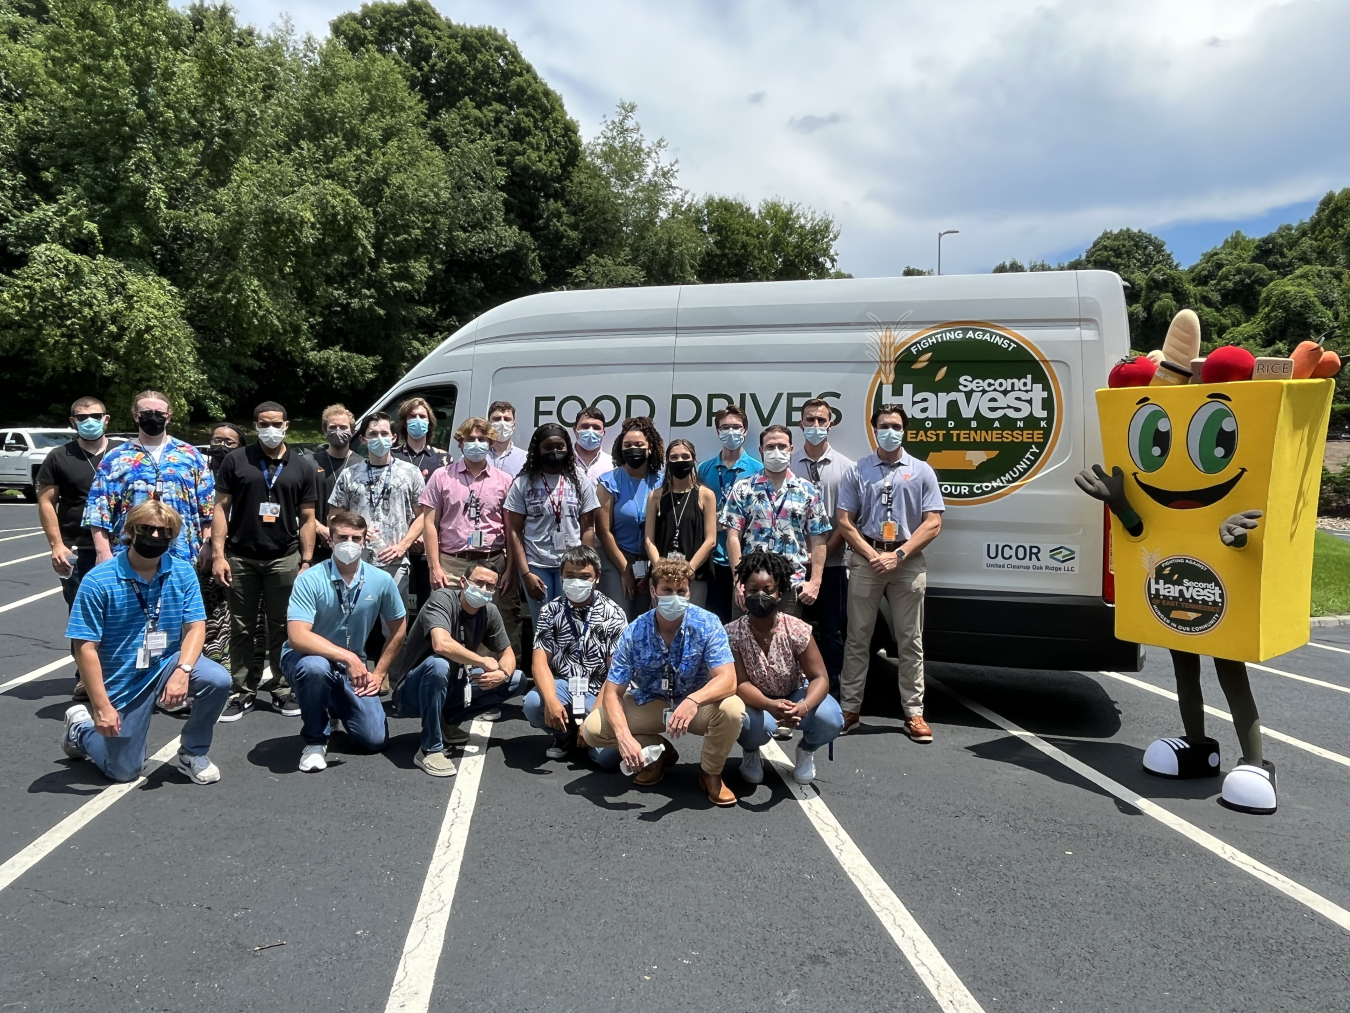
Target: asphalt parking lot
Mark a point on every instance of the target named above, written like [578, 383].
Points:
[1011, 865]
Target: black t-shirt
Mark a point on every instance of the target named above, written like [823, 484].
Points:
[328, 469]
[293, 482]
[442, 611]
[71, 469]
[426, 462]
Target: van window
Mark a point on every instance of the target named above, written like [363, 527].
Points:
[442, 400]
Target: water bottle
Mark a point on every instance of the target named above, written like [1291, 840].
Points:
[650, 754]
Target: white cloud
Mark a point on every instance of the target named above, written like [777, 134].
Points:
[1028, 126]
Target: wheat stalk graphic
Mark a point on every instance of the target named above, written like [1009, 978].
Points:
[887, 340]
[1150, 559]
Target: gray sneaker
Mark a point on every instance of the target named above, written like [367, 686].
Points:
[199, 769]
[435, 764]
[782, 733]
[77, 715]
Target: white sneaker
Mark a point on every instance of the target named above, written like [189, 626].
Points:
[199, 769]
[752, 767]
[493, 715]
[782, 733]
[314, 758]
[804, 769]
[76, 715]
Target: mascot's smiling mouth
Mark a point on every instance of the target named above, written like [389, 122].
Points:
[1190, 499]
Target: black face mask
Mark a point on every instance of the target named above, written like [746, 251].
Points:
[760, 604]
[680, 469]
[217, 454]
[635, 457]
[151, 546]
[151, 424]
[553, 458]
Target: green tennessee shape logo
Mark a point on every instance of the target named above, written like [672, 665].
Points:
[983, 408]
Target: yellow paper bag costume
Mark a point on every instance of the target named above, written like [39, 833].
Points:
[1193, 457]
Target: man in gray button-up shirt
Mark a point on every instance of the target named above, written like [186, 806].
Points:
[889, 509]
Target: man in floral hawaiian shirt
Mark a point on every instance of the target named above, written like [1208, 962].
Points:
[152, 466]
[778, 512]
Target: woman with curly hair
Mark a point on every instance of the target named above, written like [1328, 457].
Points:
[638, 453]
[548, 510]
[780, 675]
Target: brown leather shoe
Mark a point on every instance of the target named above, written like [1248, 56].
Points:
[851, 719]
[654, 771]
[719, 795]
[917, 729]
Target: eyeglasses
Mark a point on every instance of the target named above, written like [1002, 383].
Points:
[220, 441]
[731, 429]
[483, 584]
[158, 415]
[86, 416]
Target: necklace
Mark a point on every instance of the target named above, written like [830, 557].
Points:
[765, 640]
[679, 512]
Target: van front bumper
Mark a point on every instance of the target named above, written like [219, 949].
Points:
[1017, 630]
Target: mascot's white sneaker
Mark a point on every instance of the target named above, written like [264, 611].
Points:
[1183, 758]
[1250, 789]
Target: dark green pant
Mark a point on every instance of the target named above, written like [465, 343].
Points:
[254, 581]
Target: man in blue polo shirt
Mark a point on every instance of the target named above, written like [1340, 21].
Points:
[683, 679]
[333, 608]
[719, 474]
[138, 626]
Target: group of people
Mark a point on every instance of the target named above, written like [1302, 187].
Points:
[734, 598]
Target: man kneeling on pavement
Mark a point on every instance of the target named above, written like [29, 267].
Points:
[457, 661]
[672, 671]
[138, 625]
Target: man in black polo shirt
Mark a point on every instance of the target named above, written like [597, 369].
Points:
[63, 483]
[263, 537]
[329, 462]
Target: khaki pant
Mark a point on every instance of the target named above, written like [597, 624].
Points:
[507, 599]
[905, 587]
[252, 581]
[718, 723]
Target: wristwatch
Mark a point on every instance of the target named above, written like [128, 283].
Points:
[185, 667]
[307, 562]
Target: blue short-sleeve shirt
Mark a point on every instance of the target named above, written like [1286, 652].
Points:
[107, 611]
[323, 599]
[642, 657]
[720, 479]
[914, 492]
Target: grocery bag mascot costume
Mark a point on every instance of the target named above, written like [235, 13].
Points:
[1212, 473]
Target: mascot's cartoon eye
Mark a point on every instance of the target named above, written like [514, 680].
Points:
[1150, 437]
[1211, 438]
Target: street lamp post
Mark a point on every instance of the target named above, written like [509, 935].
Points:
[947, 232]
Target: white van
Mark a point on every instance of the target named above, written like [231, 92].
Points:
[996, 373]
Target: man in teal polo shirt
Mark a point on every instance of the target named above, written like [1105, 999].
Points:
[333, 609]
[719, 474]
[138, 626]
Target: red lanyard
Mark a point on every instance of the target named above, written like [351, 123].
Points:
[555, 498]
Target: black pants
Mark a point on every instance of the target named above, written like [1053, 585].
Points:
[828, 616]
[720, 593]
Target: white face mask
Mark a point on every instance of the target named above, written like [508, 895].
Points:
[777, 460]
[475, 450]
[672, 606]
[476, 596]
[271, 436]
[577, 589]
[347, 553]
[503, 430]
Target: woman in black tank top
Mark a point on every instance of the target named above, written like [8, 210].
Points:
[682, 518]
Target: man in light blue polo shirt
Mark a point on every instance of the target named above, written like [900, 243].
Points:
[333, 609]
[138, 626]
[683, 679]
[719, 474]
[889, 509]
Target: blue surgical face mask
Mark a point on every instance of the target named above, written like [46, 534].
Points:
[816, 435]
[671, 606]
[890, 439]
[379, 445]
[90, 429]
[476, 596]
[731, 438]
[475, 450]
[589, 439]
[417, 428]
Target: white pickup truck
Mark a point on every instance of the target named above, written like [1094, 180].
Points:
[22, 451]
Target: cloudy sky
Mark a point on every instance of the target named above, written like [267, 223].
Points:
[1030, 127]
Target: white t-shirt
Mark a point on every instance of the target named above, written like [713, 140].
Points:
[551, 507]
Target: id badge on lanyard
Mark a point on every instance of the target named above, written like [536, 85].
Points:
[473, 509]
[577, 685]
[668, 688]
[156, 640]
[557, 502]
[889, 530]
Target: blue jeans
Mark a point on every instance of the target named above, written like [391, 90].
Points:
[552, 578]
[820, 727]
[320, 688]
[423, 695]
[122, 756]
[534, 713]
[828, 616]
[481, 699]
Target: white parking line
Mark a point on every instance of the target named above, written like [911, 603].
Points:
[5, 531]
[24, 559]
[1325, 754]
[63, 831]
[928, 963]
[37, 673]
[29, 535]
[416, 975]
[1300, 678]
[1328, 647]
[1334, 913]
[30, 598]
